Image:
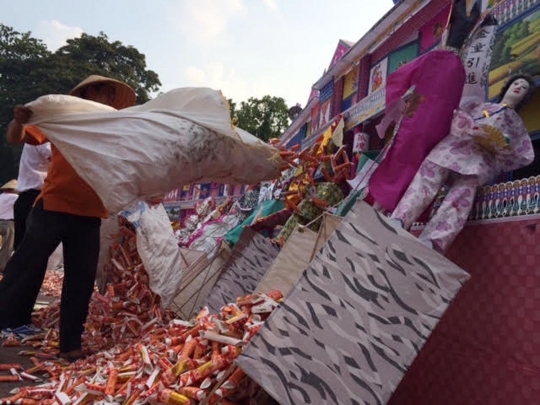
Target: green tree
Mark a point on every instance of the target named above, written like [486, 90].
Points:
[96, 55]
[29, 70]
[18, 54]
[265, 118]
[232, 109]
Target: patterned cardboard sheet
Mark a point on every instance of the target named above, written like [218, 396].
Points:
[329, 224]
[357, 318]
[192, 296]
[291, 261]
[251, 258]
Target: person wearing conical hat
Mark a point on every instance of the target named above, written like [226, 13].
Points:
[7, 227]
[119, 95]
[67, 211]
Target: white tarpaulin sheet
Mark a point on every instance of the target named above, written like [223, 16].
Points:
[180, 137]
[157, 247]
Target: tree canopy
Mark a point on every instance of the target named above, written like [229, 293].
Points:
[265, 118]
[28, 69]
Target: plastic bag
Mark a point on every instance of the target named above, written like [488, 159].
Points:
[109, 228]
[158, 249]
[182, 136]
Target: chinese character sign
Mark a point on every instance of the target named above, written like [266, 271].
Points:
[477, 61]
[361, 142]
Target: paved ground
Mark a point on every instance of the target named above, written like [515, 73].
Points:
[9, 355]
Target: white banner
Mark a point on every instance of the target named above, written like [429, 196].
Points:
[477, 61]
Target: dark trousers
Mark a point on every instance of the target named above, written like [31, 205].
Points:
[21, 209]
[6, 246]
[26, 269]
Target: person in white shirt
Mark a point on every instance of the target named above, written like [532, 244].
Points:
[7, 228]
[33, 167]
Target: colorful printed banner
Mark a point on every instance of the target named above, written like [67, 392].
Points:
[350, 83]
[377, 76]
[366, 108]
[325, 113]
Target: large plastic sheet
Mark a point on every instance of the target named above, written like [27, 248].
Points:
[182, 136]
[157, 247]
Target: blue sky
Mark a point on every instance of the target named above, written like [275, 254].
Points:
[245, 48]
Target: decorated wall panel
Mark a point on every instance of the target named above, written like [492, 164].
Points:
[377, 77]
[402, 56]
[350, 82]
[517, 47]
[431, 33]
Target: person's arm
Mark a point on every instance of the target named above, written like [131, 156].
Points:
[16, 133]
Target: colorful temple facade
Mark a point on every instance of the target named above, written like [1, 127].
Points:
[354, 87]
[486, 348]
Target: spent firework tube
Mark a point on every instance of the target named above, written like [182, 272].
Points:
[201, 349]
[164, 363]
[7, 367]
[252, 330]
[216, 337]
[237, 322]
[62, 398]
[155, 388]
[203, 313]
[276, 295]
[13, 399]
[11, 341]
[94, 389]
[133, 397]
[185, 324]
[170, 375]
[230, 351]
[193, 376]
[207, 383]
[193, 393]
[266, 306]
[10, 378]
[171, 397]
[174, 341]
[216, 349]
[151, 379]
[230, 310]
[245, 300]
[191, 332]
[189, 348]
[30, 377]
[228, 387]
[145, 356]
[111, 383]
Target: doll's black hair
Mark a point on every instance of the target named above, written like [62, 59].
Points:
[512, 79]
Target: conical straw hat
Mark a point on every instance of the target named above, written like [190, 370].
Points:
[124, 95]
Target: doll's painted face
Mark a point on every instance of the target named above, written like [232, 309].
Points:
[515, 93]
